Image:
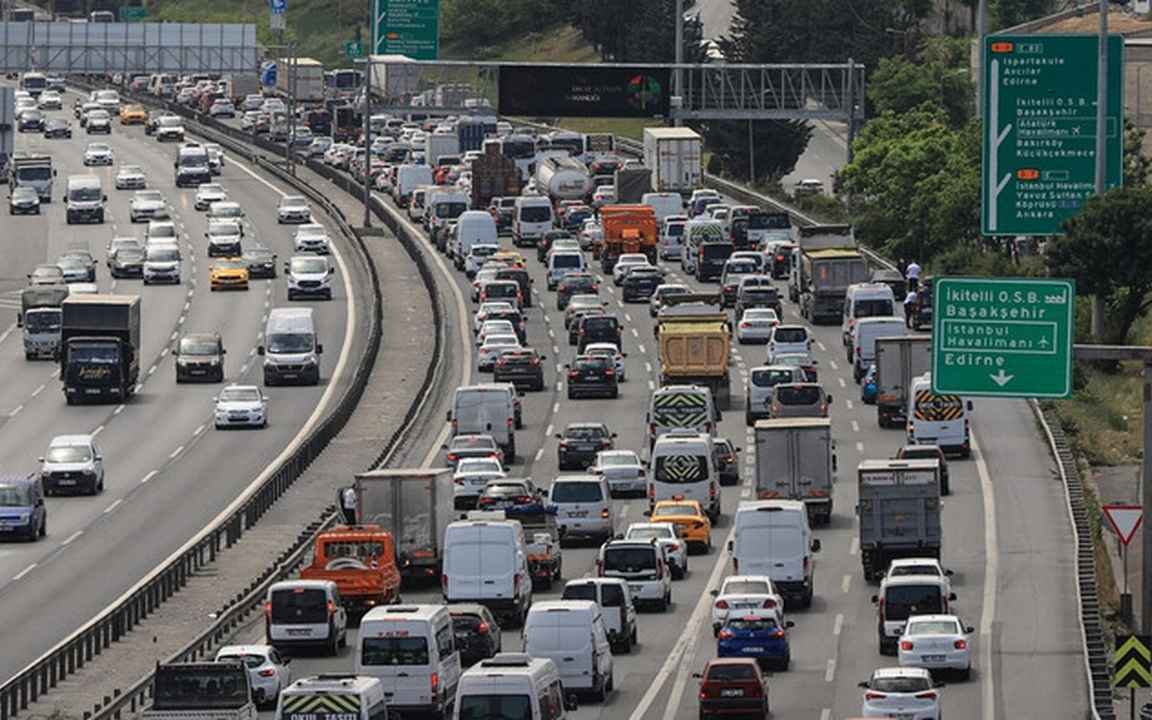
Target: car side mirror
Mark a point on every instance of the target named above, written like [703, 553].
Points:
[875, 598]
[731, 545]
[319, 349]
[559, 436]
[570, 703]
[698, 676]
[647, 513]
[816, 545]
[619, 536]
[714, 593]
[285, 267]
[613, 434]
[951, 597]
[948, 573]
[448, 416]
[828, 399]
[789, 623]
[260, 350]
[863, 684]
[969, 404]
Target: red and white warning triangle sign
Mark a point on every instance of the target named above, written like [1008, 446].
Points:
[1125, 520]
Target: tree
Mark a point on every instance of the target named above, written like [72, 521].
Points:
[899, 85]
[776, 145]
[640, 31]
[1107, 250]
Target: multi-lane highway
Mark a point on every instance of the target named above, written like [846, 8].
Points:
[1006, 538]
[168, 472]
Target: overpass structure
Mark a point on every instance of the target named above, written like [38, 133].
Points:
[83, 48]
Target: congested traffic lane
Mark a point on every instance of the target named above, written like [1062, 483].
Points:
[168, 472]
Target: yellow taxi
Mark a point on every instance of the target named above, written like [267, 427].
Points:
[133, 115]
[229, 273]
[688, 516]
[511, 258]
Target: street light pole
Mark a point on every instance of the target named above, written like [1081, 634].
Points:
[368, 141]
[678, 72]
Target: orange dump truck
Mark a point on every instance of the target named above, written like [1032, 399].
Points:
[628, 229]
[361, 560]
[694, 334]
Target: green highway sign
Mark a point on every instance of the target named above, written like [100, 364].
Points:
[998, 337]
[133, 14]
[1040, 129]
[353, 50]
[406, 27]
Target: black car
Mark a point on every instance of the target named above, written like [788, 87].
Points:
[261, 262]
[758, 291]
[30, 121]
[922, 310]
[572, 322]
[57, 128]
[574, 218]
[592, 375]
[506, 492]
[578, 283]
[127, 262]
[86, 259]
[521, 276]
[711, 258]
[477, 634]
[199, 356]
[544, 244]
[517, 319]
[523, 367]
[724, 453]
[598, 328]
[580, 442]
[781, 260]
[641, 283]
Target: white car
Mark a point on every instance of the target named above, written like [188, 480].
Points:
[73, 463]
[268, 670]
[675, 549]
[208, 193]
[920, 566]
[50, 100]
[148, 205]
[98, 154]
[130, 177]
[756, 325]
[624, 472]
[486, 308]
[161, 263]
[608, 350]
[224, 238]
[319, 145]
[623, 263]
[494, 327]
[901, 693]
[656, 302]
[293, 209]
[215, 157]
[222, 108]
[241, 405]
[472, 474]
[99, 121]
[743, 593]
[120, 242]
[311, 237]
[488, 353]
[603, 195]
[169, 127]
[483, 275]
[789, 339]
[476, 258]
[936, 642]
[590, 232]
[163, 231]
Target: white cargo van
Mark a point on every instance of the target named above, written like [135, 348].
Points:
[350, 697]
[862, 353]
[291, 348]
[773, 538]
[531, 218]
[571, 633]
[486, 562]
[664, 204]
[696, 233]
[938, 419]
[412, 650]
[84, 199]
[473, 227]
[682, 466]
[865, 300]
[305, 613]
[486, 409]
[513, 685]
[408, 178]
[562, 262]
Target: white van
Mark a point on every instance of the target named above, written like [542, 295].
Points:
[416, 206]
[512, 685]
[903, 596]
[473, 227]
[305, 613]
[681, 407]
[672, 237]
[443, 209]
[350, 697]
[562, 262]
[412, 649]
[865, 300]
[938, 419]
[664, 204]
[408, 178]
[486, 562]
[862, 353]
[486, 409]
[84, 199]
[682, 463]
[614, 597]
[583, 506]
[291, 348]
[531, 218]
[697, 232]
[571, 633]
[773, 538]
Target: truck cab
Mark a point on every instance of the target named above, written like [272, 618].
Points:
[99, 347]
[39, 320]
[221, 691]
[361, 560]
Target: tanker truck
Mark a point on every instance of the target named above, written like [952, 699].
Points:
[562, 177]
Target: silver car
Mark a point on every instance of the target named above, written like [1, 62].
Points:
[267, 669]
[241, 406]
[73, 464]
[623, 470]
[130, 177]
[148, 205]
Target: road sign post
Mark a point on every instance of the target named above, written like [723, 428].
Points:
[1125, 520]
[277, 9]
[1040, 129]
[996, 337]
[406, 27]
[353, 50]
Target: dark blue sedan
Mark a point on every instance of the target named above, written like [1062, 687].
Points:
[762, 637]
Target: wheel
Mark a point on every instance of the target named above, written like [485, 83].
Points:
[333, 645]
[945, 488]
[807, 600]
[966, 673]
[749, 419]
[600, 694]
[677, 572]
[626, 645]
[44, 526]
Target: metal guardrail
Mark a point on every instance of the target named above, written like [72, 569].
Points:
[85, 644]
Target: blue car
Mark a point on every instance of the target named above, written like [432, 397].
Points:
[868, 386]
[762, 637]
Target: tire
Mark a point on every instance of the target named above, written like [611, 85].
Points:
[44, 526]
[749, 419]
[333, 646]
[600, 694]
[806, 602]
[966, 674]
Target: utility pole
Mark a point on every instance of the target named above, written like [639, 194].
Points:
[1102, 154]
[678, 71]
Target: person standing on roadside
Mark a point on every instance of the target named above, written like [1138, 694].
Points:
[909, 307]
[349, 504]
[913, 275]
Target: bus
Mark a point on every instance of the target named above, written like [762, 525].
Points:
[34, 83]
[522, 149]
[101, 16]
[343, 82]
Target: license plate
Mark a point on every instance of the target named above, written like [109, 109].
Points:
[732, 692]
[932, 658]
[92, 391]
[578, 514]
[592, 377]
[299, 631]
[65, 482]
[754, 649]
[635, 589]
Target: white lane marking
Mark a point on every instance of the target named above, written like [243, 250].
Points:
[72, 537]
[860, 447]
[848, 404]
[16, 411]
[651, 385]
[842, 382]
[551, 333]
[648, 367]
[821, 346]
[176, 452]
[830, 673]
[624, 511]
[24, 572]
[832, 364]
[643, 350]
[559, 386]
[555, 409]
[559, 367]
[991, 580]
[199, 430]
[112, 508]
[855, 426]
[746, 492]
[99, 429]
[38, 390]
[635, 332]
[838, 625]
[683, 645]
[854, 548]
[548, 430]
[826, 714]
[175, 334]
[539, 454]
[846, 584]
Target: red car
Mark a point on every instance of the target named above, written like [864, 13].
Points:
[733, 686]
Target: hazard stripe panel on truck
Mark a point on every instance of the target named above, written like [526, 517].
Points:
[680, 409]
[935, 408]
[320, 704]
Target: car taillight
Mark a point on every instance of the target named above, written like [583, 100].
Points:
[484, 501]
[960, 644]
[930, 695]
[435, 683]
[459, 481]
[778, 633]
[523, 499]
[906, 645]
[659, 568]
[564, 445]
[721, 604]
[712, 491]
[735, 565]
[745, 324]
[674, 546]
[267, 609]
[483, 627]
[269, 672]
[605, 513]
[501, 362]
[516, 586]
[452, 457]
[444, 585]
[493, 455]
[574, 373]
[331, 608]
[726, 635]
[880, 608]
[535, 361]
[805, 566]
[872, 695]
[600, 568]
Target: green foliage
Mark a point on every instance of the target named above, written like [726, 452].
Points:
[1107, 250]
[818, 31]
[484, 22]
[636, 31]
[1136, 165]
[900, 85]
[1004, 14]
[776, 146]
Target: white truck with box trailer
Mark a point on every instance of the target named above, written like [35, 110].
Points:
[415, 506]
[795, 460]
[899, 360]
[676, 158]
[899, 512]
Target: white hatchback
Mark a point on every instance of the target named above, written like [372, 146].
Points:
[901, 693]
[745, 594]
[494, 345]
[241, 406]
[936, 642]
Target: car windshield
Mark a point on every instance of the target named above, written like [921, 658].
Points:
[903, 601]
[674, 511]
[576, 492]
[478, 465]
[873, 308]
[42, 319]
[240, 394]
[24, 193]
[741, 268]
[591, 363]
[790, 335]
[565, 260]
[210, 189]
[247, 659]
[663, 530]
[149, 196]
[760, 314]
[309, 265]
[629, 559]
[797, 395]
[746, 587]
[68, 454]
[771, 378]
[472, 442]
[535, 213]
[293, 202]
[753, 623]
[502, 706]
[85, 194]
[131, 170]
[156, 254]
[581, 591]
[93, 354]
[730, 671]
[932, 627]
[170, 121]
[394, 651]
[618, 459]
[585, 433]
[227, 227]
[900, 684]
[15, 495]
[191, 346]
